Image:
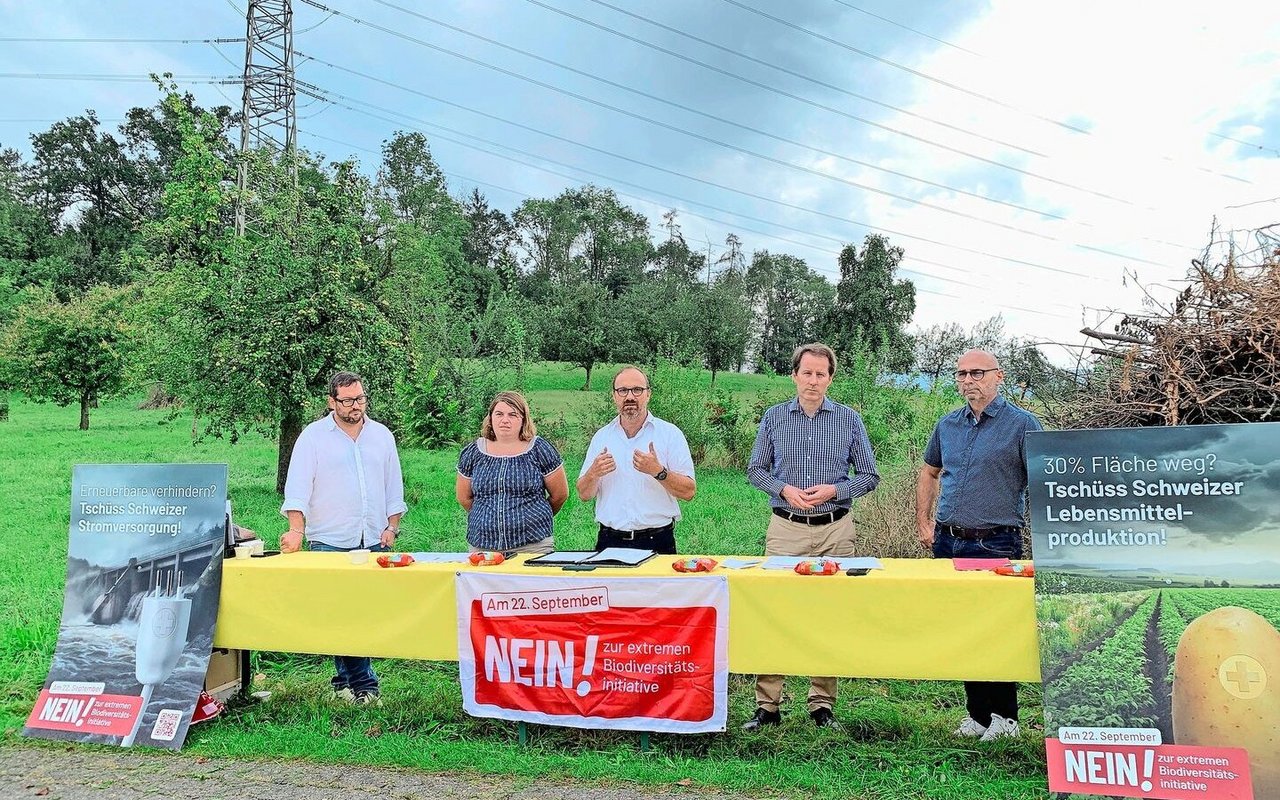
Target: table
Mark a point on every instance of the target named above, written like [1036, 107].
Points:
[915, 619]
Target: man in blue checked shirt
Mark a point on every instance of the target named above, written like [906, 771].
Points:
[802, 459]
[977, 453]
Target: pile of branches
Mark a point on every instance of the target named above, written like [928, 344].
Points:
[1213, 357]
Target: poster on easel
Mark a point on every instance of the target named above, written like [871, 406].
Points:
[144, 573]
[1157, 555]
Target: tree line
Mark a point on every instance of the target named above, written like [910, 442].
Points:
[120, 268]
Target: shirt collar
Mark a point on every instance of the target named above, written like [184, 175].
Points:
[794, 405]
[648, 423]
[992, 409]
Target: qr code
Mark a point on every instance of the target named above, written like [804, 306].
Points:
[166, 727]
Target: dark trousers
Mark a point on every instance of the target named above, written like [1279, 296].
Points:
[352, 672]
[659, 540]
[984, 698]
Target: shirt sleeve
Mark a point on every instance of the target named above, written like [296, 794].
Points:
[547, 457]
[760, 467]
[679, 459]
[395, 480]
[863, 460]
[467, 460]
[593, 450]
[933, 450]
[300, 479]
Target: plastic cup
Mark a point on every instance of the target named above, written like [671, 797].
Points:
[358, 556]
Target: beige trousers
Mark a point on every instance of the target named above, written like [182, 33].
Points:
[787, 538]
[540, 547]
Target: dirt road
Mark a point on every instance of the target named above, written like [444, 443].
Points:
[58, 772]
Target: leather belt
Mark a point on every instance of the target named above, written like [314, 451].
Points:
[643, 533]
[976, 534]
[812, 519]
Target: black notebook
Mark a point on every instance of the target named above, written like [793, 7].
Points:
[608, 557]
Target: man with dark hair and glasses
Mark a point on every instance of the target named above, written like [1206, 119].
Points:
[804, 453]
[636, 468]
[344, 491]
[977, 454]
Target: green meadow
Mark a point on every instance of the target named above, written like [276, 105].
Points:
[895, 743]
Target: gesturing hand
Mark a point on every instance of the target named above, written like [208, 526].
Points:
[646, 462]
[602, 465]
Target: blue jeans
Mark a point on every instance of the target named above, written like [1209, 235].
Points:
[984, 698]
[353, 672]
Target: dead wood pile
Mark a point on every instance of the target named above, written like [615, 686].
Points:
[1213, 357]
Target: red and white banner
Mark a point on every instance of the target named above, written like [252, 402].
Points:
[647, 654]
[84, 707]
[1167, 771]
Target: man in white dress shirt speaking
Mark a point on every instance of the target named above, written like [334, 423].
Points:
[345, 492]
[636, 468]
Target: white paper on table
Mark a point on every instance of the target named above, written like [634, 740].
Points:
[845, 562]
[860, 562]
[441, 558]
[740, 563]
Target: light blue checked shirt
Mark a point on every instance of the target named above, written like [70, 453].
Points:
[792, 448]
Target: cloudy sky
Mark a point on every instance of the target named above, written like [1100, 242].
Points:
[1050, 162]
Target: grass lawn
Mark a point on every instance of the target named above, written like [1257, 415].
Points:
[895, 744]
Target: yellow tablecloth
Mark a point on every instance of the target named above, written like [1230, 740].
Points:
[916, 618]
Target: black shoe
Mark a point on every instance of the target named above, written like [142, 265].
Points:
[823, 718]
[761, 719]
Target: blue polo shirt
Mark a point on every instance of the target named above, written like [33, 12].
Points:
[983, 462]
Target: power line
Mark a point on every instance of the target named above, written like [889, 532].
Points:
[567, 140]
[117, 78]
[740, 54]
[717, 142]
[734, 75]
[761, 156]
[904, 67]
[118, 40]
[905, 28]
[308, 88]
[941, 82]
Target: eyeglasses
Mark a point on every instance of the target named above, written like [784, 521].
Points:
[630, 391]
[976, 374]
[348, 402]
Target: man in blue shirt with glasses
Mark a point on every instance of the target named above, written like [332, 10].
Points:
[977, 454]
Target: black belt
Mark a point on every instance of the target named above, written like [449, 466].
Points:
[976, 534]
[812, 519]
[643, 533]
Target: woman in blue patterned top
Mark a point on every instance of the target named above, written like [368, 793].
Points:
[510, 481]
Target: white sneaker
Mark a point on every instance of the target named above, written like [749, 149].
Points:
[344, 696]
[1000, 727]
[970, 729]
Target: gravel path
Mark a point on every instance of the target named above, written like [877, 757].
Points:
[72, 773]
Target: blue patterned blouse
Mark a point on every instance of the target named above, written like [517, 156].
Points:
[510, 507]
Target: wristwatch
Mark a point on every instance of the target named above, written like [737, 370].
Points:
[662, 474]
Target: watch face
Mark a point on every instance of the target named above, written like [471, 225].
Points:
[662, 475]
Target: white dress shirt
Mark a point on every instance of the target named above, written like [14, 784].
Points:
[630, 500]
[345, 488]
